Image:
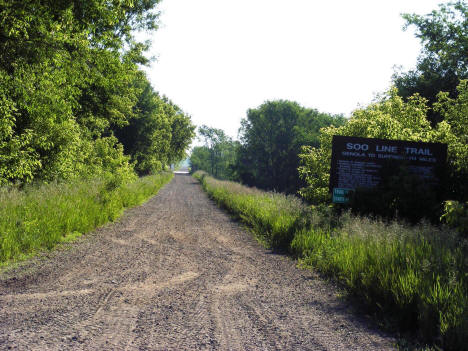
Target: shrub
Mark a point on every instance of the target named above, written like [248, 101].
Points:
[456, 216]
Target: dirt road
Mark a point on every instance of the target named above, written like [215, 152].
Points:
[174, 274]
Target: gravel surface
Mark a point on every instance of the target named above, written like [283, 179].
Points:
[176, 273]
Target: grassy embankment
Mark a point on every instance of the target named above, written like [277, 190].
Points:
[417, 277]
[39, 217]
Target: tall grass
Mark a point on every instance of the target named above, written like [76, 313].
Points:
[274, 217]
[39, 217]
[417, 276]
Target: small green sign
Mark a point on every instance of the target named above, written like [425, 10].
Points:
[341, 195]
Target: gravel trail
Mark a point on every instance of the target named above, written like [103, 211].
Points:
[176, 273]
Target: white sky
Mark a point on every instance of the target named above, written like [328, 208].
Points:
[218, 58]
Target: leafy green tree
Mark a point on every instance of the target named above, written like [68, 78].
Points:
[146, 137]
[39, 75]
[200, 159]
[443, 61]
[159, 132]
[217, 156]
[67, 69]
[182, 132]
[213, 138]
[454, 131]
[271, 139]
[42, 135]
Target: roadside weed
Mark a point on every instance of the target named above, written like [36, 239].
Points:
[415, 275]
[41, 216]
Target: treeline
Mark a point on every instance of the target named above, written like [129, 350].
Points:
[73, 101]
[287, 148]
[267, 155]
[217, 156]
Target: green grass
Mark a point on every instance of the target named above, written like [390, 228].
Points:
[415, 276]
[42, 216]
[274, 217]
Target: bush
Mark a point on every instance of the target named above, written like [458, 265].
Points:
[456, 216]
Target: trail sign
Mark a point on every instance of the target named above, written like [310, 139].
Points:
[363, 163]
[341, 195]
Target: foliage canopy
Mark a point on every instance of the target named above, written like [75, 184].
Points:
[69, 81]
[218, 154]
[271, 138]
[443, 61]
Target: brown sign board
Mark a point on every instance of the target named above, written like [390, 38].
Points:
[362, 163]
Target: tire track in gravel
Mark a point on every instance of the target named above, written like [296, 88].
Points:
[176, 273]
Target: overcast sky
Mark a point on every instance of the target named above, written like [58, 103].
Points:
[218, 58]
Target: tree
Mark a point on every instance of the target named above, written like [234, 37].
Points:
[182, 132]
[271, 139]
[454, 131]
[146, 137]
[200, 159]
[67, 72]
[443, 61]
[159, 132]
[217, 155]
